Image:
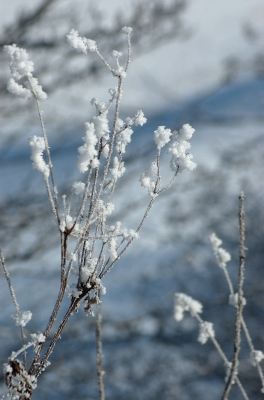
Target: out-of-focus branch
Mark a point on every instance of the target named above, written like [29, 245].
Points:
[153, 23]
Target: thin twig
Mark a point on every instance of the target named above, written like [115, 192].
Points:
[63, 286]
[223, 356]
[100, 372]
[128, 51]
[57, 335]
[233, 370]
[14, 299]
[54, 202]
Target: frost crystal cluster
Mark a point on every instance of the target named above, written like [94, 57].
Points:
[222, 256]
[185, 303]
[21, 68]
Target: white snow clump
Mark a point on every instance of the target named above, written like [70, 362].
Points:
[186, 303]
[221, 255]
[206, 331]
[87, 151]
[22, 318]
[256, 356]
[22, 67]
[181, 160]
[80, 44]
[233, 300]
[37, 145]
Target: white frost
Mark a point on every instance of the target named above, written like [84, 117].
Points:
[178, 147]
[162, 136]
[18, 90]
[127, 30]
[118, 169]
[38, 337]
[221, 255]
[139, 118]
[256, 356]
[80, 44]
[37, 145]
[185, 303]
[20, 64]
[149, 177]
[233, 300]
[87, 151]
[112, 249]
[22, 318]
[78, 188]
[206, 331]
[37, 89]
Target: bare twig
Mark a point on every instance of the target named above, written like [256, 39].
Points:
[53, 201]
[223, 356]
[14, 299]
[100, 372]
[233, 370]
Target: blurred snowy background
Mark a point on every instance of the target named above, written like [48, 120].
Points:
[200, 62]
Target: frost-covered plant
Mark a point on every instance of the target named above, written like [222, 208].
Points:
[95, 245]
[185, 303]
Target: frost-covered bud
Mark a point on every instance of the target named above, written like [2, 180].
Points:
[102, 290]
[75, 293]
[72, 256]
[18, 90]
[186, 132]
[104, 210]
[182, 163]
[75, 41]
[69, 221]
[123, 138]
[22, 318]
[20, 64]
[129, 234]
[178, 147]
[87, 151]
[21, 67]
[233, 300]
[37, 145]
[222, 256]
[185, 303]
[256, 356]
[116, 54]
[119, 72]
[101, 125]
[91, 45]
[38, 337]
[215, 241]
[37, 89]
[78, 188]
[86, 272]
[162, 136]
[127, 30]
[80, 44]
[118, 169]
[149, 177]
[140, 119]
[62, 224]
[113, 93]
[206, 331]
[112, 249]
